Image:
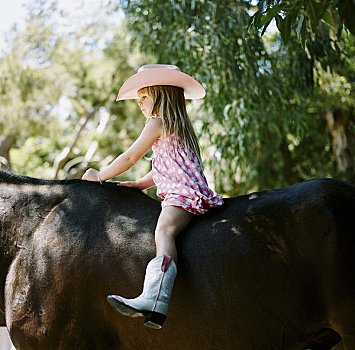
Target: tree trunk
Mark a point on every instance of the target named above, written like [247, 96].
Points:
[341, 125]
[6, 142]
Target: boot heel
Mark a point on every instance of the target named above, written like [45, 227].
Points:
[154, 320]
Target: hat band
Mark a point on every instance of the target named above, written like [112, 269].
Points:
[160, 66]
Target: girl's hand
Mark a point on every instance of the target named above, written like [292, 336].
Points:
[91, 175]
[127, 183]
[142, 184]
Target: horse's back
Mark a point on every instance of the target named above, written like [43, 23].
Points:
[287, 252]
[260, 272]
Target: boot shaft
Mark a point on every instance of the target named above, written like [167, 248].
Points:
[159, 279]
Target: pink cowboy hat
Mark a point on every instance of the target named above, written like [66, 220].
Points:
[160, 74]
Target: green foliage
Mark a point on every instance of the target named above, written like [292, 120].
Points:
[274, 113]
[259, 125]
[35, 157]
[296, 14]
[317, 25]
[247, 108]
[52, 81]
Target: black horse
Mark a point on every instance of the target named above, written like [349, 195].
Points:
[269, 270]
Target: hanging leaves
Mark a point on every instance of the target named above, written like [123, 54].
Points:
[258, 91]
[305, 20]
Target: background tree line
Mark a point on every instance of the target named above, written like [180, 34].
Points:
[279, 107]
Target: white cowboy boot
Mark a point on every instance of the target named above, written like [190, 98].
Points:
[153, 303]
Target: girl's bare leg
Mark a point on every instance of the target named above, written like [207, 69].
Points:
[151, 304]
[171, 222]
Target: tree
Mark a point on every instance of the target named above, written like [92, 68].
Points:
[24, 88]
[321, 28]
[66, 82]
[304, 17]
[263, 130]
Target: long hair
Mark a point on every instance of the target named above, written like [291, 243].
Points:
[169, 103]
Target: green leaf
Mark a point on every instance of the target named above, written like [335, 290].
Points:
[265, 27]
[284, 27]
[327, 17]
[269, 15]
[304, 33]
[255, 19]
[287, 29]
[280, 23]
[313, 13]
[299, 26]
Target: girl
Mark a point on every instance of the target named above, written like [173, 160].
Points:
[176, 171]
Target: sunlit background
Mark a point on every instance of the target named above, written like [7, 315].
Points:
[276, 112]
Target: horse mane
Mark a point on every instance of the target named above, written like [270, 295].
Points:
[15, 179]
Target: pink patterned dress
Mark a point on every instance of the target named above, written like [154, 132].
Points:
[179, 178]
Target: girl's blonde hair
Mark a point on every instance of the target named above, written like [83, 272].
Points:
[169, 103]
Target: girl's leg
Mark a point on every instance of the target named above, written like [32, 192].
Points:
[171, 222]
[153, 303]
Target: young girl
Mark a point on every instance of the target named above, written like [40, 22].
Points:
[176, 171]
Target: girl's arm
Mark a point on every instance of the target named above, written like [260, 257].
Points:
[143, 183]
[126, 160]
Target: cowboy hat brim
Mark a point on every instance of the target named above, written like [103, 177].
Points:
[160, 76]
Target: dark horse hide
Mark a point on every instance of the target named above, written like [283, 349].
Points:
[269, 270]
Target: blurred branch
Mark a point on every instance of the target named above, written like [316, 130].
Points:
[84, 161]
[75, 171]
[64, 155]
[6, 142]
